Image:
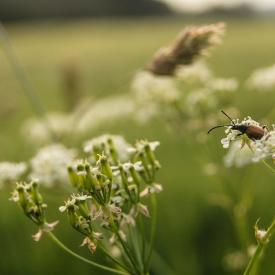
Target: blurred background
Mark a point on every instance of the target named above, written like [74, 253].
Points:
[104, 43]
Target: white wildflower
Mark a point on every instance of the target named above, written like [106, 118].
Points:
[199, 101]
[262, 79]
[105, 111]
[10, 172]
[37, 131]
[223, 84]
[194, 73]
[265, 147]
[50, 164]
[238, 155]
[119, 142]
[151, 93]
[148, 88]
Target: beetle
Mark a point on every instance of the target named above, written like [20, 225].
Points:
[252, 131]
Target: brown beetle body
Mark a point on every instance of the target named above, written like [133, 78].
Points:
[252, 131]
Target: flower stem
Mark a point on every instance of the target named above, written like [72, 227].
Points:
[259, 250]
[268, 166]
[153, 231]
[65, 248]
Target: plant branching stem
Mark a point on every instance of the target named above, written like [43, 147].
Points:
[68, 250]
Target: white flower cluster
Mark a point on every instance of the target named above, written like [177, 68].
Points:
[193, 92]
[10, 172]
[105, 111]
[49, 165]
[243, 151]
[37, 131]
[197, 72]
[265, 147]
[263, 79]
[238, 155]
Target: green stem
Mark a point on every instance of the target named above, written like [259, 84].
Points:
[127, 251]
[268, 166]
[153, 231]
[259, 250]
[68, 250]
[114, 259]
[23, 80]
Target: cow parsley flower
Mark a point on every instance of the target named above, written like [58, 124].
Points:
[262, 79]
[11, 172]
[50, 164]
[105, 111]
[238, 155]
[35, 130]
[265, 147]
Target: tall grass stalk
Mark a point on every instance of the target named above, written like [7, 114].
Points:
[22, 78]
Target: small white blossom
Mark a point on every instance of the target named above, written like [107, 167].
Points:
[37, 131]
[262, 79]
[106, 110]
[194, 73]
[265, 147]
[238, 155]
[10, 172]
[223, 84]
[50, 164]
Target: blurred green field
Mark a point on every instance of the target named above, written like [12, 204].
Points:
[193, 236]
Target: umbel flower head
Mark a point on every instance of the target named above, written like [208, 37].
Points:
[191, 43]
[244, 150]
[31, 202]
[111, 191]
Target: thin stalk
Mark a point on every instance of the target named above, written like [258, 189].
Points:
[253, 263]
[268, 166]
[153, 231]
[22, 78]
[127, 252]
[114, 259]
[134, 237]
[68, 250]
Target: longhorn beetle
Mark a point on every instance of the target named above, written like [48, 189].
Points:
[252, 131]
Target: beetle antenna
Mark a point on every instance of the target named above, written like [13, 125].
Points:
[219, 126]
[228, 117]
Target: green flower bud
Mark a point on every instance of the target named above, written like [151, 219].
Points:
[105, 166]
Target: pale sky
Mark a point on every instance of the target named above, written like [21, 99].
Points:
[198, 5]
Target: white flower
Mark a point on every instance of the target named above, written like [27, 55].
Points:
[223, 84]
[10, 172]
[148, 88]
[194, 73]
[265, 147]
[37, 131]
[50, 164]
[105, 111]
[151, 93]
[262, 79]
[119, 142]
[238, 156]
